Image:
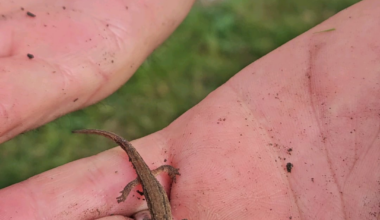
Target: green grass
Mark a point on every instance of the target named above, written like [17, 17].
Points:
[212, 44]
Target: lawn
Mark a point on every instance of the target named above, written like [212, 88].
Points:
[214, 42]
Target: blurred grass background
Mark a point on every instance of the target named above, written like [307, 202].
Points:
[216, 40]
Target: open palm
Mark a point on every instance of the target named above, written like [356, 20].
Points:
[292, 136]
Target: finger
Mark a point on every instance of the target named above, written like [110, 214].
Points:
[84, 189]
[115, 217]
[142, 215]
[83, 51]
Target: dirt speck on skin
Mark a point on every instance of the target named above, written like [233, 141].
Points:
[140, 192]
[290, 151]
[220, 120]
[289, 167]
[30, 14]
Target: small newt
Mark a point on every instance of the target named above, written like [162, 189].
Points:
[155, 195]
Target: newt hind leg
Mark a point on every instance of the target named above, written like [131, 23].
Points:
[170, 170]
[127, 189]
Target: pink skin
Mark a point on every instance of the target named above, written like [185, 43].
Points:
[318, 94]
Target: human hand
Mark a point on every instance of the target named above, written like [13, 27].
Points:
[317, 95]
[83, 51]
